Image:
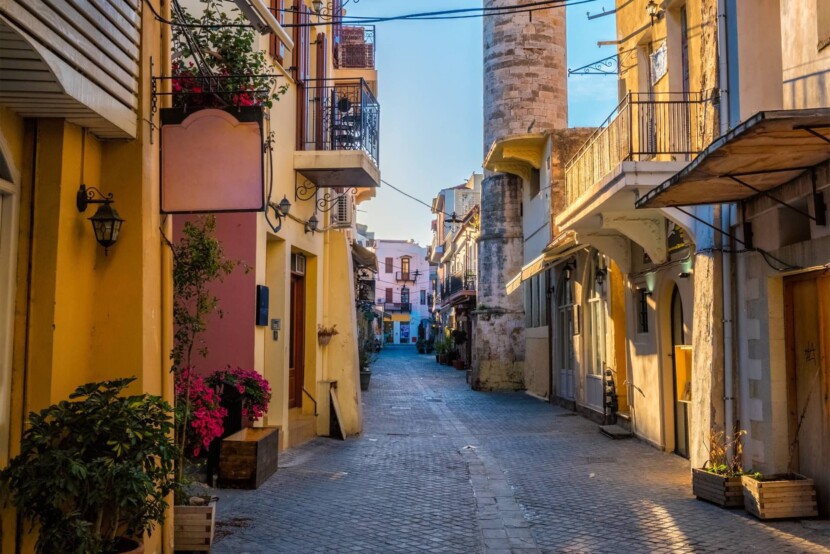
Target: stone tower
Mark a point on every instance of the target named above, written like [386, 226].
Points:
[525, 92]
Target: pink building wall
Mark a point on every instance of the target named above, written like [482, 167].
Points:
[230, 339]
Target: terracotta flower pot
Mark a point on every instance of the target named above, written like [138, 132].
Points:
[128, 546]
[324, 339]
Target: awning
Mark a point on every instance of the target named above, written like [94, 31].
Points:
[560, 247]
[364, 258]
[767, 150]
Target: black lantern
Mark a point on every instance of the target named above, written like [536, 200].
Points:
[311, 224]
[280, 211]
[106, 223]
[653, 10]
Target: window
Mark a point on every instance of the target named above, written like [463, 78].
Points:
[388, 265]
[423, 297]
[389, 296]
[404, 295]
[404, 265]
[276, 47]
[642, 310]
[535, 300]
[534, 184]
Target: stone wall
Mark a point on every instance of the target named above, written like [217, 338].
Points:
[498, 353]
[525, 90]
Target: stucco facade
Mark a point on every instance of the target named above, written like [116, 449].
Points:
[401, 288]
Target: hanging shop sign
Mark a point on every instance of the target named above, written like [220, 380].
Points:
[212, 160]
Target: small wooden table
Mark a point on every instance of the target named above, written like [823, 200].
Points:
[248, 458]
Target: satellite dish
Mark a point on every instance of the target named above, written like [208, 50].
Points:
[344, 104]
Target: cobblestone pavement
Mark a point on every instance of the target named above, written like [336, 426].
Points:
[441, 468]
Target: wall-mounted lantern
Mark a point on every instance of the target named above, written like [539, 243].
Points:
[653, 10]
[106, 223]
[311, 224]
[280, 211]
[600, 276]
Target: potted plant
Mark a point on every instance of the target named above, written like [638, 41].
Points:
[367, 356]
[324, 334]
[253, 389]
[782, 495]
[198, 261]
[195, 515]
[719, 481]
[94, 471]
[242, 74]
[441, 350]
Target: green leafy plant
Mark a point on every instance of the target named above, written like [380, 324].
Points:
[198, 261]
[93, 468]
[720, 462]
[367, 354]
[247, 77]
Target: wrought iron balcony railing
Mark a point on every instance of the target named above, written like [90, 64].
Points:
[644, 126]
[457, 283]
[404, 307]
[341, 114]
[407, 276]
[354, 47]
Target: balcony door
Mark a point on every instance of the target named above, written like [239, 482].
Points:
[404, 296]
[296, 355]
[404, 270]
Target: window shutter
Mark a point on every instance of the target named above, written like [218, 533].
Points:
[277, 48]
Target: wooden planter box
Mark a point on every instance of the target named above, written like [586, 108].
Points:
[193, 527]
[248, 458]
[786, 495]
[718, 489]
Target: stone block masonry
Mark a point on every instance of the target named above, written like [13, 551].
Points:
[498, 352]
[525, 88]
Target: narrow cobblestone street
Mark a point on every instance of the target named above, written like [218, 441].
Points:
[441, 468]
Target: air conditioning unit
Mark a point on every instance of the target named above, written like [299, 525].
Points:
[342, 213]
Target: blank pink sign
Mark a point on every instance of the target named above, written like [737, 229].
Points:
[211, 162]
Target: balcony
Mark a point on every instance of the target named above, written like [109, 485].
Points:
[643, 127]
[407, 276]
[354, 47]
[401, 307]
[648, 138]
[458, 288]
[339, 144]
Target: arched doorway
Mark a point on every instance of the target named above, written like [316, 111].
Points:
[565, 331]
[681, 396]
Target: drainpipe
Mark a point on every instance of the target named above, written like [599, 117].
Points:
[723, 65]
[727, 219]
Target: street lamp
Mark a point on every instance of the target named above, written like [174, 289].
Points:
[311, 224]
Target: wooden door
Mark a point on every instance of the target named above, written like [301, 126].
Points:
[807, 306]
[296, 368]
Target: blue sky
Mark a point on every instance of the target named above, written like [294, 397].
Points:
[430, 81]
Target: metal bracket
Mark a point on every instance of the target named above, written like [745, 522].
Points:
[771, 197]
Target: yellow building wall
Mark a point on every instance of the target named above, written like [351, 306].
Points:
[81, 315]
[340, 357]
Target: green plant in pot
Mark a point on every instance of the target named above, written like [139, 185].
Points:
[719, 481]
[94, 471]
